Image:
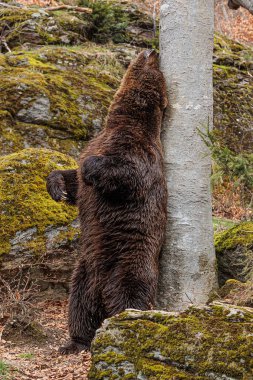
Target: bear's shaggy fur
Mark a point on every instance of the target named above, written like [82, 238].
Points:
[122, 201]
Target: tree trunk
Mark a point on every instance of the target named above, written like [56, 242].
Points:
[187, 266]
[247, 4]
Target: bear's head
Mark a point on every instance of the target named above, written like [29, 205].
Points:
[143, 85]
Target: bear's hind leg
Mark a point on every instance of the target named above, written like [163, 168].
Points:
[85, 312]
[132, 293]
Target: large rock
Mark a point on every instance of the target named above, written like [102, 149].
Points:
[212, 342]
[38, 27]
[36, 233]
[233, 94]
[55, 97]
[116, 21]
[122, 21]
[234, 252]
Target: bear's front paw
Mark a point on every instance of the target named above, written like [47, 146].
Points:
[91, 169]
[56, 186]
[72, 347]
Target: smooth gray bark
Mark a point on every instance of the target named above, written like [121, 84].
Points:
[187, 266]
[247, 4]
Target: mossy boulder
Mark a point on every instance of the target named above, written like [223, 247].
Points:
[37, 27]
[233, 89]
[31, 222]
[55, 97]
[120, 21]
[213, 342]
[110, 21]
[234, 252]
[36, 234]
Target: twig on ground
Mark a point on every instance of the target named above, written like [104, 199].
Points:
[8, 5]
[69, 7]
[4, 43]
[51, 9]
[17, 299]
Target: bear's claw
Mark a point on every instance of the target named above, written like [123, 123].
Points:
[72, 347]
[56, 186]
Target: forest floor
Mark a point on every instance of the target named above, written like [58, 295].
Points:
[32, 352]
[27, 357]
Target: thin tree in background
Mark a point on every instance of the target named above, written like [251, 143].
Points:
[187, 269]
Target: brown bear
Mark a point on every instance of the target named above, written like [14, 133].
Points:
[121, 193]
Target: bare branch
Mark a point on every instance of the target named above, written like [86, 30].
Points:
[9, 6]
[69, 7]
[6, 46]
[51, 9]
[247, 4]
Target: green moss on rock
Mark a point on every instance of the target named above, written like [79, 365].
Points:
[116, 21]
[121, 22]
[234, 251]
[160, 345]
[150, 369]
[37, 27]
[56, 97]
[229, 53]
[28, 214]
[240, 235]
[233, 89]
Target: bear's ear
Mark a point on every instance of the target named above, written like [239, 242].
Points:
[151, 58]
[140, 99]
